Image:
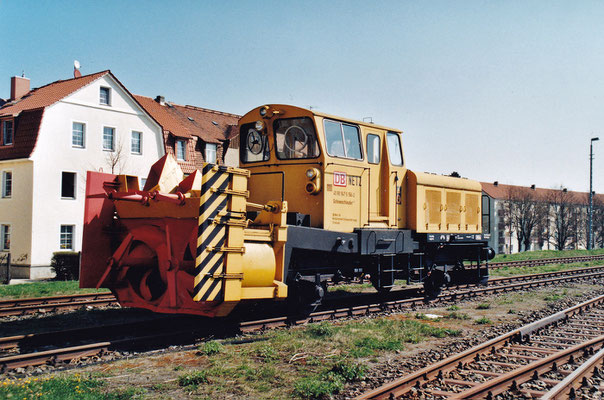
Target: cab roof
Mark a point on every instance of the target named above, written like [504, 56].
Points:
[323, 115]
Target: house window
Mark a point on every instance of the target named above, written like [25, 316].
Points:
[105, 96]
[66, 239]
[5, 237]
[180, 150]
[68, 185]
[7, 135]
[210, 153]
[136, 143]
[7, 184]
[78, 130]
[108, 138]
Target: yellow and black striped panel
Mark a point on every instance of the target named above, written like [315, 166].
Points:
[212, 234]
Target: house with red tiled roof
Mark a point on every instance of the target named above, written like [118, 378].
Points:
[49, 137]
[552, 218]
[194, 135]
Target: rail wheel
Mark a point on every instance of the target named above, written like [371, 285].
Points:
[434, 283]
[305, 296]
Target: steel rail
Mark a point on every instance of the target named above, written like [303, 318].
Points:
[394, 305]
[568, 386]
[24, 306]
[52, 306]
[53, 299]
[74, 352]
[545, 261]
[402, 385]
[511, 380]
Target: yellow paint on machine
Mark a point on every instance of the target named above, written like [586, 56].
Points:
[229, 268]
[442, 204]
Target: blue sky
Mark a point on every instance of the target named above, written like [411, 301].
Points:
[496, 90]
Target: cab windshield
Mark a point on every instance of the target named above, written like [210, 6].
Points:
[295, 138]
[254, 145]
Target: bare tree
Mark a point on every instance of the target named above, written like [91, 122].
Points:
[116, 159]
[508, 212]
[562, 211]
[598, 222]
[527, 213]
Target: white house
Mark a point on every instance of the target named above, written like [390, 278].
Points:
[49, 138]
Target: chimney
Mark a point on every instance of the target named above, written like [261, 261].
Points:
[496, 183]
[161, 100]
[533, 186]
[19, 86]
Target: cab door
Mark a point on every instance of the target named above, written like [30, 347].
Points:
[378, 209]
[393, 173]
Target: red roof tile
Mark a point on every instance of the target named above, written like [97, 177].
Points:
[186, 121]
[502, 192]
[29, 109]
[25, 135]
[47, 95]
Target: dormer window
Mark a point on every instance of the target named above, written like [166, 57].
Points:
[105, 96]
[7, 133]
[210, 153]
[181, 150]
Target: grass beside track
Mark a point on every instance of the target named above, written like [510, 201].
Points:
[534, 255]
[540, 269]
[43, 289]
[75, 387]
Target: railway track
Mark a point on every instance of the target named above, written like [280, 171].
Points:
[53, 303]
[546, 261]
[36, 349]
[25, 306]
[559, 356]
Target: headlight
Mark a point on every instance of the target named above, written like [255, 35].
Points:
[310, 173]
[263, 111]
[259, 126]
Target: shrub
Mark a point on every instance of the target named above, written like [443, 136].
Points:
[66, 265]
[210, 348]
[321, 329]
[456, 315]
[349, 371]
[193, 379]
[317, 388]
[483, 306]
[483, 321]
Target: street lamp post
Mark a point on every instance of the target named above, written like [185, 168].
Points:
[591, 194]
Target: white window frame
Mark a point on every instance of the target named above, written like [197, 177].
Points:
[211, 148]
[140, 142]
[83, 145]
[6, 195]
[75, 184]
[112, 149]
[184, 149]
[5, 230]
[102, 89]
[12, 132]
[68, 236]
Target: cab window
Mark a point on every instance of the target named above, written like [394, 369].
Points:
[342, 140]
[254, 145]
[295, 138]
[373, 148]
[394, 148]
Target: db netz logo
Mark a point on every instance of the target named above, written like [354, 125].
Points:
[339, 179]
